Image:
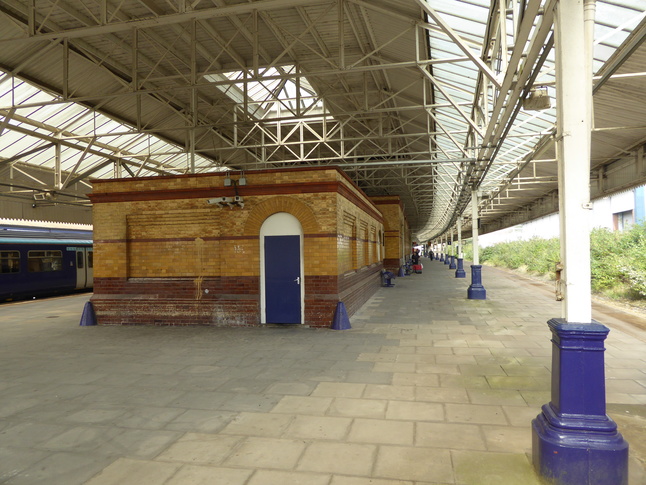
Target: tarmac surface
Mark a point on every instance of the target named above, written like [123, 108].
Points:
[427, 387]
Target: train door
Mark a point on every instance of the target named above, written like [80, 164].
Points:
[81, 272]
[89, 268]
[84, 268]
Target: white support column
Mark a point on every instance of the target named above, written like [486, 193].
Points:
[574, 120]
[459, 271]
[460, 252]
[475, 291]
[474, 226]
[58, 173]
[574, 441]
[453, 252]
[191, 131]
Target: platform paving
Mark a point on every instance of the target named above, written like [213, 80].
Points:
[427, 387]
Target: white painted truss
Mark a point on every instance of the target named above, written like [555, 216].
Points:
[425, 99]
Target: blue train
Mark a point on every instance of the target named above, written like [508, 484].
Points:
[41, 259]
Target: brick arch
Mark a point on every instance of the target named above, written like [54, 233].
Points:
[271, 206]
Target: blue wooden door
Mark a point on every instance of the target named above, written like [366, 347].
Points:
[282, 279]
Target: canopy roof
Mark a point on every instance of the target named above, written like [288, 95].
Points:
[425, 99]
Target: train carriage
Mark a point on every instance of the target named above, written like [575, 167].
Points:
[44, 259]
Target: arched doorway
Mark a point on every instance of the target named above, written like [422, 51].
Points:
[281, 269]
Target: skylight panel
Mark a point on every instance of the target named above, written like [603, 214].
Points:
[78, 122]
[274, 92]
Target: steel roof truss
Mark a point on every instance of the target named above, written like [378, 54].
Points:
[482, 67]
[84, 153]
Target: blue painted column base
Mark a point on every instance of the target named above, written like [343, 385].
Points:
[442, 257]
[460, 273]
[452, 263]
[447, 259]
[437, 257]
[574, 442]
[476, 291]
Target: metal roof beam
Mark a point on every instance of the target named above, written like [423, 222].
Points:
[636, 38]
[178, 18]
[17, 157]
[482, 67]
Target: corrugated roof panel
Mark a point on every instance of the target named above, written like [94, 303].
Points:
[382, 105]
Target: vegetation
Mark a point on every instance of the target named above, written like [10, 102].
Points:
[618, 260]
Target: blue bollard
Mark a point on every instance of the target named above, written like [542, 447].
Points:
[88, 318]
[341, 320]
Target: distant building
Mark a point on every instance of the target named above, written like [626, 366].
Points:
[616, 212]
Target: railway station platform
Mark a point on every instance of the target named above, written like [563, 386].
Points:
[427, 387]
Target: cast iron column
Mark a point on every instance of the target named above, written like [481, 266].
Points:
[475, 291]
[574, 441]
[460, 273]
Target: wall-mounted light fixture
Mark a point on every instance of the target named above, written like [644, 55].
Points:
[231, 202]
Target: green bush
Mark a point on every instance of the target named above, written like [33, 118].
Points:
[618, 260]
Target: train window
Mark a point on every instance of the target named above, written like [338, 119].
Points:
[9, 261]
[90, 259]
[44, 261]
[79, 260]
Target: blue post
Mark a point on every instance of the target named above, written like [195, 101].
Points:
[452, 263]
[437, 256]
[341, 320]
[460, 273]
[476, 291]
[447, 259]
[442, 257]
[88, 318]
[573, 440]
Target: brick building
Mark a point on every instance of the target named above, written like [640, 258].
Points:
[268, 246]
[397, 239]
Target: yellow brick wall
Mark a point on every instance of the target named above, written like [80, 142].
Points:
[357, 233]
[189, 238]
[397, 235]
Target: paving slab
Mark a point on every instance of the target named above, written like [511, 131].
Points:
[200, 448]
[415, 464]
[338, 458]
[254, 452]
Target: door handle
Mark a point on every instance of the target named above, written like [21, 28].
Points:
[298, 280]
